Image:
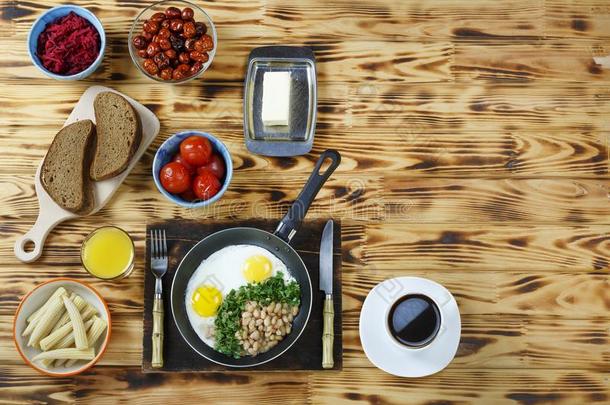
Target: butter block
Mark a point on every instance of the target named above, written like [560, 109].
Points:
[276, 98]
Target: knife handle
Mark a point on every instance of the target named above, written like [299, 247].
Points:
[328, 334]
[157, 335]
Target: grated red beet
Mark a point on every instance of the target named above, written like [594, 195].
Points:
[68, 45]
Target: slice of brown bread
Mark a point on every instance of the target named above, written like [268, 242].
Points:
[118, 135]
[65, 169]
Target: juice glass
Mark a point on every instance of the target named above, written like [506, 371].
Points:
[108, 253]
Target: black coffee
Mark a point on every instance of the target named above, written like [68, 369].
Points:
[414, 320]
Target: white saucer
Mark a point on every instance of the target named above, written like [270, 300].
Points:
[385, 353]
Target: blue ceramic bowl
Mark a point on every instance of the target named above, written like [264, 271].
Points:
[171, 147]
[51, 15]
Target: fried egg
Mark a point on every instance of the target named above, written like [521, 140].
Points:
[226, 270]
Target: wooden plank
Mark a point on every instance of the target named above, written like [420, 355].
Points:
[339, 19]
[406, 62]
[19, 384]
[233, 18]
[499, 341]
[577, 19]
[512, 342]
[489, 246]
[389, 19]
[477, 106]
[575, 295]
[456, 386]
[275, 194]
[109, 385]
[531, 201]
[527, 61]
[507, 153]
[568, 295]
[443, 133]
[414, 108]
[61, 256]
[460, 153]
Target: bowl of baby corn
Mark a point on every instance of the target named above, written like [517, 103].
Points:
[62, 327]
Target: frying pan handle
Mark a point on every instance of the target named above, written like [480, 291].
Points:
[291, 222]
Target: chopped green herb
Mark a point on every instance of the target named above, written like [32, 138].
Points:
[274, 289]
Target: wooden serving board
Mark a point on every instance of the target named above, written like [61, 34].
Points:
[50, 214]
[305, 354]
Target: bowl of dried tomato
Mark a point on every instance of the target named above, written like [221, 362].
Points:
[67, 42]
[172, 41]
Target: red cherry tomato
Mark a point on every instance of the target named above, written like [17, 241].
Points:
[196, 150]
[206, 185]
[175, 178]
[216, 165]
[191, 169]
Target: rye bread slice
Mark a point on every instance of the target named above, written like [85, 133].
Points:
[118, 135]
[65, 169]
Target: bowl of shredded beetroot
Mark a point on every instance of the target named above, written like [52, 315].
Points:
[67, 43]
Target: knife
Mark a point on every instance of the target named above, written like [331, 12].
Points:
[326, 285]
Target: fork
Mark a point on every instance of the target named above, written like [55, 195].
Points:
[158, 266]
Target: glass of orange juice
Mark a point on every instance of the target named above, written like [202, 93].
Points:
[108, 253]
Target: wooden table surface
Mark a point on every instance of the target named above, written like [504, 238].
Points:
[475, 140]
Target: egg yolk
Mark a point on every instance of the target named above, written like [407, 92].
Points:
[205, 300]
[257, 268]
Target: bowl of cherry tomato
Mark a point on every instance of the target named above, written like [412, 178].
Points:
[192, 169]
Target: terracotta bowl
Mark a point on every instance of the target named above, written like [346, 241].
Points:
[35, 299]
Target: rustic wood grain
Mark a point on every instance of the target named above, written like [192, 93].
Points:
[514, 386]
[441, 200]
[577, 19]
[405, 20]
[526, 61]
[460, 130]
[497, 247]
[476, 152]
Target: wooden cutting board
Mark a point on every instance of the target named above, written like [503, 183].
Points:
[305, 354]
[50, 214]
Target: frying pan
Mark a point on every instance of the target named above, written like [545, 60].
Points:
[278, 243]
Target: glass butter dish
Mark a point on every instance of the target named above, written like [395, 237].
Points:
[295, 138]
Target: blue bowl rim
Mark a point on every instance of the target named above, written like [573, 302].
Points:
[177, 199]
[93, 65]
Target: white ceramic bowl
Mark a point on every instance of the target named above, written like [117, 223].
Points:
[35, 299]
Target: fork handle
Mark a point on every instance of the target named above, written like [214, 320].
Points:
[157, 334]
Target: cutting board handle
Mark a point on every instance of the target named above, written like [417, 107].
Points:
[36, 236]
